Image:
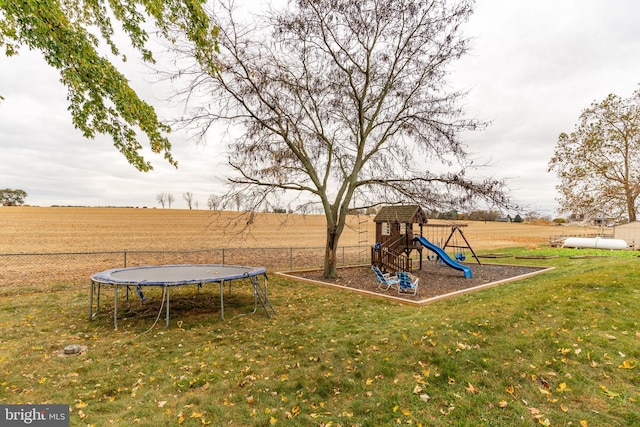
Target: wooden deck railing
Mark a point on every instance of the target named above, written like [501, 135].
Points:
[390, 259]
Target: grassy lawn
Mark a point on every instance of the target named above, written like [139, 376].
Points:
[557, 349]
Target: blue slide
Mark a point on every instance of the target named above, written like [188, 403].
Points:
[444, 257]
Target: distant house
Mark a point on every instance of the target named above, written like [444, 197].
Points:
[629, 232]
[504, 219]
[576, 218]
[607, 221]
[597, 221]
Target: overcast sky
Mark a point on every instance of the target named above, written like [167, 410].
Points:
[534, 66]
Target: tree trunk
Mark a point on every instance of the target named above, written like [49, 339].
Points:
[331, 253]
[630, 198]
[631, 209]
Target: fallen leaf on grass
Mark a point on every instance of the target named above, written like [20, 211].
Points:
[544, 391]
[610, 394]
[448, 411]
[628, 364]
[472, 389]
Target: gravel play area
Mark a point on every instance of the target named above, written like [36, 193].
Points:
[435, 280]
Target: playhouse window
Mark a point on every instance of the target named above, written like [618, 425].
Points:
[386, 229]
[403, 228]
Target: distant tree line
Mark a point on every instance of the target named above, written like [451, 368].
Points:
[9, 197]
[217, 202]
[487, 215]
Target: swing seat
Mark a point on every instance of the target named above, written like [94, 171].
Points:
[460, 256]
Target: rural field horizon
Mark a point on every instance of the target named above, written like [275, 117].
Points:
[28, 229]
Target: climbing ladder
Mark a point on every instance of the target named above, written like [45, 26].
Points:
[363, 238]
[260, 295]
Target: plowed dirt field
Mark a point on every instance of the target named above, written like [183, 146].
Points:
[53, 229]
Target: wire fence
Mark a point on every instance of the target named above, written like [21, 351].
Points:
[72, 268]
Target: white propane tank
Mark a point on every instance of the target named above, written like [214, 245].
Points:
[595, 243]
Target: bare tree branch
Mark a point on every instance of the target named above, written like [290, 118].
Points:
[344, 99]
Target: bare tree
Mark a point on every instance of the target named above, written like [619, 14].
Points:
[237, 200]
[214, 202]
[188, 197]
[162, 199]
[343, 100]
[170, 200]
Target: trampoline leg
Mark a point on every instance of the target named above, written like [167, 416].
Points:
[115, 308]
[91, 300]
[167, 321]
[94, 290]
[255, 297]
[222, 299]
[98, 299]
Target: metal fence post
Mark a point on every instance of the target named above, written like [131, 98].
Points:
[125, 258]
[290, 259]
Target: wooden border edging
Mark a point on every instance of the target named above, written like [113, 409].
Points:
[289, 275]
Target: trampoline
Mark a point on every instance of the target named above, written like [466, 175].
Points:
[168, 276]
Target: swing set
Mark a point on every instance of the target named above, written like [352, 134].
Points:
[397, 237]
[455, 240]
